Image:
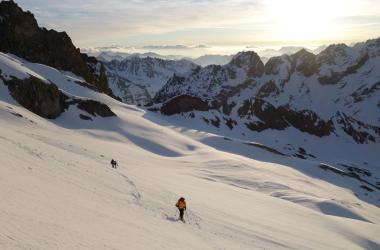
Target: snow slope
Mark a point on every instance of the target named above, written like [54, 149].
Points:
[59, 192]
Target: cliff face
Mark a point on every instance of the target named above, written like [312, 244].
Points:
[21, 36]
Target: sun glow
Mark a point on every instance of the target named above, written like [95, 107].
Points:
[306, 20]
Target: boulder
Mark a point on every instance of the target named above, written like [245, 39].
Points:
[41, 98]
[183, 103]
[95, 108]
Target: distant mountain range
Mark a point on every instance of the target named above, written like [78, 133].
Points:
[110, 55]
[106, 54]
[137, 79]
[334, 93]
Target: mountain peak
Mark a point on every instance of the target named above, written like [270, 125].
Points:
[303, 54]
[12, 15]
[249, 60]
[245, 58]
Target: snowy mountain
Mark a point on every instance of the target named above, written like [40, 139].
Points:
[334, 93]
[266, 54]
[59, 191]
[277, 156]
[206, 60]
[110, 55]
[138, 79]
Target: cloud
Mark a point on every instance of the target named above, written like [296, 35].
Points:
[169, 22]
[175, 47]
[202, 46]
[159, 47]
[101, 22]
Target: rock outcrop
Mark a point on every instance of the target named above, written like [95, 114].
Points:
[95, 108]
[183, 103]
[20, 35]
[43, 99]
[281, 117]
[46, 100]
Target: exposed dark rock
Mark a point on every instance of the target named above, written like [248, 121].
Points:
[85, 117]
[303, 154]
[273, 117]
[367, 188]
[349, 174]
[268, 89]
[360, 171]
[153, 109]
[163, 94]
[16, 114]
[20, 35]
[250, 59]
[359, 131]
[205, 120]
[281, 117]
[308, 121]
[221, 99]
[95, 108]
[230, 122]
[227, 107]
[266, 148]
[305, 62]
[300, 156]
[97, 70]
[41, 98]
[329, 55]
[257, 126]
[273, 65]
[183, 103]
[360, 94]
[46, 100]
[337, 76]
[216, 122]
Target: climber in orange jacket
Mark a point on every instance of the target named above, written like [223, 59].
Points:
[181, 205]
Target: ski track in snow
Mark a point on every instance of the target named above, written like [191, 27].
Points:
[59, 191]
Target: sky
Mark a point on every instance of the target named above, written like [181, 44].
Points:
[215, 26]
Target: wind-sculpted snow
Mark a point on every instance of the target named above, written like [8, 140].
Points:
[308, 180]
[59, 190]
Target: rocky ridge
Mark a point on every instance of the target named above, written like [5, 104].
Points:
[335, 92]
[20, 35]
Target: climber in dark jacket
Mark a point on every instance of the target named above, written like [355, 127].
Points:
[113, 163]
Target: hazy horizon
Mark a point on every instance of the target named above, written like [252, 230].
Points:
[198, 27]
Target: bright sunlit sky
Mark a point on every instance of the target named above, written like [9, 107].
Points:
[209, 23]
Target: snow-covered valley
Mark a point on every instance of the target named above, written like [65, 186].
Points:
[60, 192]
[281, 155]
